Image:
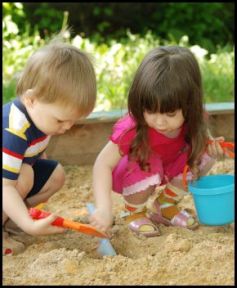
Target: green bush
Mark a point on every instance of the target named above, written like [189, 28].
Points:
[116, 63]
[208, 24]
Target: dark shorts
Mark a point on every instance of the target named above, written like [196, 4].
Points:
[43, 168]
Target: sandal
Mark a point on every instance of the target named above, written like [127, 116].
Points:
[185, 218]
[11, 246]
[141, 225]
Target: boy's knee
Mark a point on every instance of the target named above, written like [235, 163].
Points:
[58, 176]
[25, 180]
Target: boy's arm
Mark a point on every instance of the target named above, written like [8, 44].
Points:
[102, 181]
[15, 208]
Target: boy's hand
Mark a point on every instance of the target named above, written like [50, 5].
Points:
[44, 227]
[102, 220]
[214, 149]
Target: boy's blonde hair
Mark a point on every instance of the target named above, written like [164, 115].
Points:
[59, 72]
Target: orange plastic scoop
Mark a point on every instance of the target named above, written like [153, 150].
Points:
[228, 147]
[69, 224]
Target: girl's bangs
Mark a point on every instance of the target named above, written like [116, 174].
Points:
[163, 102]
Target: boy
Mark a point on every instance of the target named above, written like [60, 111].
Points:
[56, 88]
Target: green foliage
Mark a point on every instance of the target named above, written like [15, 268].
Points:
[12, 11]
[47, 18]
[116, 62]
[206, 23]
[218, 80]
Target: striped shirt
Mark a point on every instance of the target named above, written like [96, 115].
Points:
[22, 141]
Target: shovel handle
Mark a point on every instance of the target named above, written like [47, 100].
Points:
[68, 224]
[40, 214]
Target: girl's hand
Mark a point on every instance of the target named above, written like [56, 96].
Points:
[214, 149]
[102, 220]
[44, 227]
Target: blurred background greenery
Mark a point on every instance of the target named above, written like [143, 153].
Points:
[118, 35]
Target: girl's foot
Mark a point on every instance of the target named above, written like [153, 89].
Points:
[164, 210]
[139, 223]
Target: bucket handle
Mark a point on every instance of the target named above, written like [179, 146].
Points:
[228, 148]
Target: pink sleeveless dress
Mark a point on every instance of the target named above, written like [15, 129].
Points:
[167, 159]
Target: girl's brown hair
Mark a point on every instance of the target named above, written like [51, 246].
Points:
[59, 72]
[168, 79]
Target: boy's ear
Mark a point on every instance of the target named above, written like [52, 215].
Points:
[28, 98]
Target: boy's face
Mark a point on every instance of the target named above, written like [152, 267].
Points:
[51, 118]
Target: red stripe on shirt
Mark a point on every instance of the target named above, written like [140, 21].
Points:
[11, 153]
[41, 139]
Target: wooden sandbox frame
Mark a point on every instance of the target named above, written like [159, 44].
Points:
[81, 144]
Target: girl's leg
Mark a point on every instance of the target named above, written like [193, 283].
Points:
[164, 209]
[136, 186]
[174, 192]
[136, 214]
[140, 197]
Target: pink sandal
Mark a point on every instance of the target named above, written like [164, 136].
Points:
[181, 219]
[142, 226]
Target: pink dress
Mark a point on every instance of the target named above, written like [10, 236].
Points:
[167, 159]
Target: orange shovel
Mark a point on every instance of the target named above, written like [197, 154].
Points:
[65, 223]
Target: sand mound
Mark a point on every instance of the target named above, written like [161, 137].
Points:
[177, 257]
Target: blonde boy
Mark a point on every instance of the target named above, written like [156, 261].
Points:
[55, 89]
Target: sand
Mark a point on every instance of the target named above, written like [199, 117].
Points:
[178, 257]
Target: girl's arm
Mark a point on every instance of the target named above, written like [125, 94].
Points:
[214, 149]
[102, 185]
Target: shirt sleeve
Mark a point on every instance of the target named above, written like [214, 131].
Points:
[123, 133]
[13, 150]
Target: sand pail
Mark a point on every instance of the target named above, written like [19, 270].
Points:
[213, 197]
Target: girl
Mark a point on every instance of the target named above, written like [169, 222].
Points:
[165, 129]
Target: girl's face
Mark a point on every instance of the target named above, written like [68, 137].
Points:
[167, 124]
[51, 118]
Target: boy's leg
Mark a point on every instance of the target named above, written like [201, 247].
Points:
[24, 185]
[49, 177]
[10, 245]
